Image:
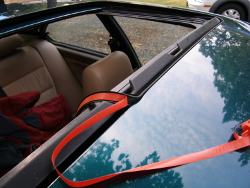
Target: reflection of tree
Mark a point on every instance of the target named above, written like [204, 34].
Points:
[168, 178]
[98, 162]
[232, 72]
[230, 57]
[244, 157]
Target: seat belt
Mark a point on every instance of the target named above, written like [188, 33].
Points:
[121, 101]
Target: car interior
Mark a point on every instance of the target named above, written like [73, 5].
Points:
[45, 70]
[30, 64]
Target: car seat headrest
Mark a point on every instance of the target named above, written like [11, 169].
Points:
[106, 73]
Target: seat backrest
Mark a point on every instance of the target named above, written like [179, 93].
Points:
[36, 65]
[106, 73]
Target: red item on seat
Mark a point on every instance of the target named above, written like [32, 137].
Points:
[12, 105]
[52, 115]
[24, 127]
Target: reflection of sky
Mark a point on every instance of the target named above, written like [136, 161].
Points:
[181, 113]
[178, 112]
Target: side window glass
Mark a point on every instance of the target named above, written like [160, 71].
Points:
[85, 31]
[149, 38]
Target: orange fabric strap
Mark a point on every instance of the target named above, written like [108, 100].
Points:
[120, 101]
